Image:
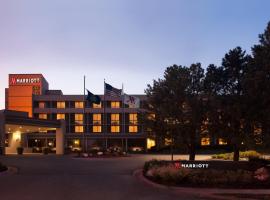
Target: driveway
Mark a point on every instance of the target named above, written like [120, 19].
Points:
[64, 177]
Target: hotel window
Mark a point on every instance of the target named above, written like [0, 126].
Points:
[42, 116]
[78, 129]
[97, 105]
[41, 104]
[222, 141]
[97, 119]
[96, 129]
[76, 142]
[133, 118]
[205, 141]
[79, 119]
[115, 104]
[133, 129]
[133, 121]
[78, 104]
[96, 123]
[150, 143]
[151, 116]
[60, 116]
[115, 128]
[115, 119]
[61, 104]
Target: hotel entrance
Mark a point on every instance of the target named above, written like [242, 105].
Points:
[17, 130]
[21, 136]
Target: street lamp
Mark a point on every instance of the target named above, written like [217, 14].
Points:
[171, 122]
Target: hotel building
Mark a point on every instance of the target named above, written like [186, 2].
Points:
[79, 123]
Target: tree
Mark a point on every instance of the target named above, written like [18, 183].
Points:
[195, 101]
[225, 85]
[257, 85]
[176, 101]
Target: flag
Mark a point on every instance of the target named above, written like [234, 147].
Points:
[131, 101]
[93, 98]
[111, 91]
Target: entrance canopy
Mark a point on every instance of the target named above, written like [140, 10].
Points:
[15, 125]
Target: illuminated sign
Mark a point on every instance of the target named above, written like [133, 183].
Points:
[14, 81]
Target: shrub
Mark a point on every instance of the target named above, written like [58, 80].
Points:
[46, 150]
[242, 154]
[2, 167]
[153, 163]
[168, 174]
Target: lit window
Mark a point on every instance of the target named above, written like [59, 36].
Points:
[60, 116]
[115, 119]
[78, 104]
[151, 116]
[222, 141]
[76, 142]
[42, 116]
[97, 105]
[78, 129]
[115, 129]
[133, 118]
[150, 143]
[97, 123]
[78, 118]
[133, 129]
[115, 104]
[61, 104]
[41, 104]
[133, 121]
[205, 141]
[168, 141]
[97, 119]
[96, 129]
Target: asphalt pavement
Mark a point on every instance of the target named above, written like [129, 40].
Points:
[43, 177]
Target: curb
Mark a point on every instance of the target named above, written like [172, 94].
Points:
[212, 193]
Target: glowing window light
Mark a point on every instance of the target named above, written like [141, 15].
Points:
[17, 135]
[150, 143]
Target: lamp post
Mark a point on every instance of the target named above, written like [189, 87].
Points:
[171, 122]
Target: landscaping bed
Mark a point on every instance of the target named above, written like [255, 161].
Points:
[215, 174]
[244, 155]
[2, 167]
[99, 153]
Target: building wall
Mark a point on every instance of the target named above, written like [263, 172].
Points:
[35, 98]
[21, 89]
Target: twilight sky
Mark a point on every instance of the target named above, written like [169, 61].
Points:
[123, 41]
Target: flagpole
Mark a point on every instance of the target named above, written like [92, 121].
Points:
[84, 118]
[104, 115]
[123, 106]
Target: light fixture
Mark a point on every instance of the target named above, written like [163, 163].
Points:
[17, 135]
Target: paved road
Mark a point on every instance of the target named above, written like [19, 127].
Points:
[63, 177]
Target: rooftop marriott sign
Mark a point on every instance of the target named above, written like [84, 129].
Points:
[18, 80]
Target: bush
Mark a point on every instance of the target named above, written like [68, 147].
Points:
[2, 167]
[242, 154]
[153, 163]
[170, 175]
[46, 150]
